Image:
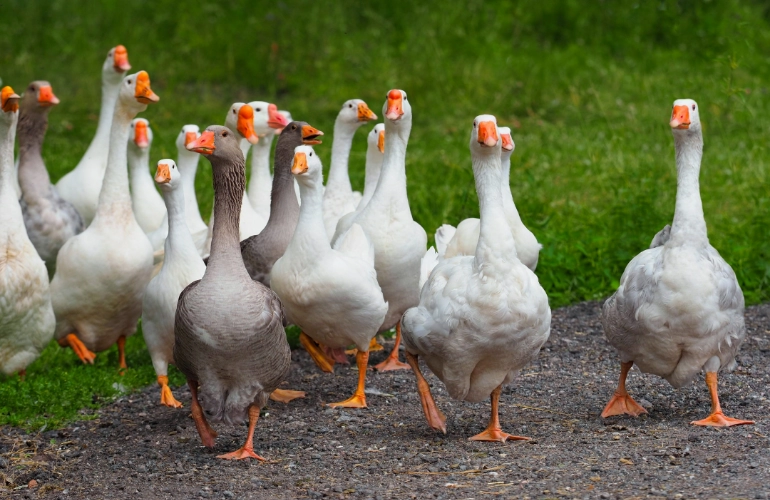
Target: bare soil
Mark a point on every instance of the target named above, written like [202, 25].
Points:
[134, 448]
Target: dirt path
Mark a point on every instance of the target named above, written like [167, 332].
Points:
[137, 449]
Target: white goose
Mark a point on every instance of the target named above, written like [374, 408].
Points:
[679, 308]
[399, 242]
[181, 266]
[147, 204]
[463, 240]
[481, 317]
[101, 273]
[26, 317]
[82, 185]
[332, 294]
[375, 147]
[338, 196]
[267, 120]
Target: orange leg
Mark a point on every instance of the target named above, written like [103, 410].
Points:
[358, 399]
[71, 340]
[122, 353]
[205, 431]
[391, 362]
[285, 395]
[621, 403]
[374, 345]
[323, 362]
[493, 431]
[717, 418]
[166, 397]
[247, 450]
[436, 419]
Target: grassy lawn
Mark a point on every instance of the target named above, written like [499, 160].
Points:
[586, 87]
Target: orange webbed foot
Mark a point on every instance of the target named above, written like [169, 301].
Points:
[374, 345]
[718, 419]
[355, 401]
[316, 353]
[435, 417]
[622, 404]
[390, 364]
[166, 396]
[241, 454]
[80, 349]
[286, 395]
[496, 435]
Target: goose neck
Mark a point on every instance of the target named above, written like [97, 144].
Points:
[229, 182]
[179, 241]
[33, 176]
[7, 138]
[260, 165]
[689, 223]
[110, 91]
[391, 186]
[495, 239]
[139, 164]
[311, 232]
[188, 168]
[373, 169]
[284, 207]
[509, 207]
[342, 142]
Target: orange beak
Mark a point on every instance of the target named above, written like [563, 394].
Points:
[9, 99]
[507, 142]
[204, 144]
[143, 93]
[300, 164]
[45, 97]
[381, 141]
[395, 105]
[680, 117]
[120, 59]
[310, 135]
[487, 134]
[190, 137]
[364, 113]
[163, 174]
[246, 124]
[140, 134]
[275, 119]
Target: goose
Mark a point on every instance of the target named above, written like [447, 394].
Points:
[338, 196]
[463, 240]
[82, 185]
[26, 316]
[679, 308]
[50, 220]
[230, 341]
[147, 204]
[267, 120]
[375, 147]
[331, 294]
[181, 266]
[481, 317]
[261, 251]
[289, 119]
[101, 273]
[187, 163]
[399, 242]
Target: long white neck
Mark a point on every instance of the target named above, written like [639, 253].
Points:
[100, 144]
[689, 224]
[496, 245]
[310, 233]
[373, 168]
[115, 198]
[509, 207]
[187, 162]
[261, 180]
[338, 179]
[391, 186]
[9, 205]
[139, 164]
[179, 245]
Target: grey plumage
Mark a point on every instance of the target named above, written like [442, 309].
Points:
[661, 237]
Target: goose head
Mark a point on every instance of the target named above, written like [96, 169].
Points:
[685, 118]
[396, 106]
[136, 93]
[267, 119]
[218, 142]
[116, 64]
[187, 135]
[140, 134]
[306, 167]
[286, 115]
[167, 175]
[240, 119]
[39, 97]
[485, 137]
[355, 113]
[307, 134]
[9, 103]
[375, 140]
[508, 144]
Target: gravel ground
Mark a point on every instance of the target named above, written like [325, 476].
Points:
[135, 448]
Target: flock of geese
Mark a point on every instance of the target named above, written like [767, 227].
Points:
[83, 260]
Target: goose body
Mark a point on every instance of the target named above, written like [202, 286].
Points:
[26, 317]
[482, 317]
[101, 273]
[146, 203]
[82, 185]
[49, 219]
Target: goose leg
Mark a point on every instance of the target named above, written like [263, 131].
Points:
[247, 450]
[621, 403]
[493, 431]
[323, 362]
[391, 362]
[436, 419]
[286, 395]
[122, 353]
[166, 396]
[78, 347]
[358, 399]
[374, 345]
[205, 431]
[717, 418]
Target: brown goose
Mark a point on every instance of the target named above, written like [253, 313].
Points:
[262, 250]
[49, 219]
[230, 341]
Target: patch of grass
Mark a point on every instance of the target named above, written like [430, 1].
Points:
[586, 87]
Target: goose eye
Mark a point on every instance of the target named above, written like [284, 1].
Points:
[294, 127]
[350, 105]
[474, 124]
[311, 154]
[224, 134]
[129, 82]
[233, 111]
[259, 109]
[693, 107]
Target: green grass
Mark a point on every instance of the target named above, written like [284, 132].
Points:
[587, 88]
